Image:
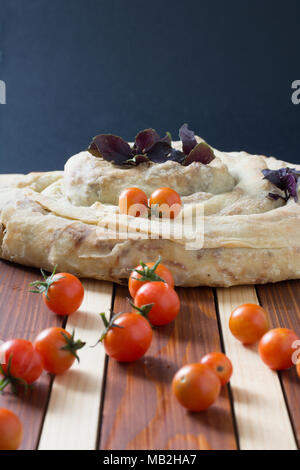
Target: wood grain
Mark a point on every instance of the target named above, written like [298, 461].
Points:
[140, 411]
[24, 315]
[72, 417]
[282, 302]
[261, 414]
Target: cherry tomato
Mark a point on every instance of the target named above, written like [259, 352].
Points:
[22, 364]
[298, 368]
[168, 202]
[220, 364]
[196, 386]
[11, 430]
[248, 323]
[166, 303]
[58, 349]
[127, 336]
[276, 348]
[62, 292]
[149, 272]
[133, 201]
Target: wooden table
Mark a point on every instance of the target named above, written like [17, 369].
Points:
[103, 404]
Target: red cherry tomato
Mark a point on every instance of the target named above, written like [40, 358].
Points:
[149, 272]
[276, 348]
[166, 303]
[62, 293]
[196, 386]
[134, 202]
[58, 349]
[248, 323]
[127, 337]
[22, 364]
[220, 364]
[166, 202]
[11, 430]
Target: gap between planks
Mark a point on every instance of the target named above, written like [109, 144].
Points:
[72, 418]
[260, 410]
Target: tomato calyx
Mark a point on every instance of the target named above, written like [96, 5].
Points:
[9, 379]
[148, 274]
[72, 346]
[42, 287]
[109, 324]
[144, 310]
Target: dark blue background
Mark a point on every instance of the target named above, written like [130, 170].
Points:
[75, 68]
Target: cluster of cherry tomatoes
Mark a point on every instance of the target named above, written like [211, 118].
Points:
[128, 336]
[163, 202]
[197, 386]
[53, 350]
[277, 347]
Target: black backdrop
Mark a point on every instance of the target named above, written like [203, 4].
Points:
[75, 68]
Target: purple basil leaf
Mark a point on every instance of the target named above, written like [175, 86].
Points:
[112, 148]
[274, 196]
[93, 150]
[145, 140]
[188, 139]
[202, 153]
[137, 159]
[291, 185]
[285, 179]
[296, 175]
[177, 156]
[275, 177]
[159, 152]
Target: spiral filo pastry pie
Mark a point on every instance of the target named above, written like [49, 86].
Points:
[70, 218]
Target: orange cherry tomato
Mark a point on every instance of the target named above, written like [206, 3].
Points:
[127, 336]
[167, 201]
[166, 303]
[149, 272]
[276, 348]
[11, 430]
[196, 386]
[22, 364]
[133, 201]
[62, 292]
[248, 323]
[220, 364]
[58, 349]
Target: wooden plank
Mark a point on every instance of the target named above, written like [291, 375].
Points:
[282, 301]
[140, 411]
[24, 315]
[72, 417]
[260, 410]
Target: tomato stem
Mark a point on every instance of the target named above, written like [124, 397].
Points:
[148, 274]
[9, 379]
[3, 384]
[144, 310]
[42, 287]
[108, 324]
[71, 345]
